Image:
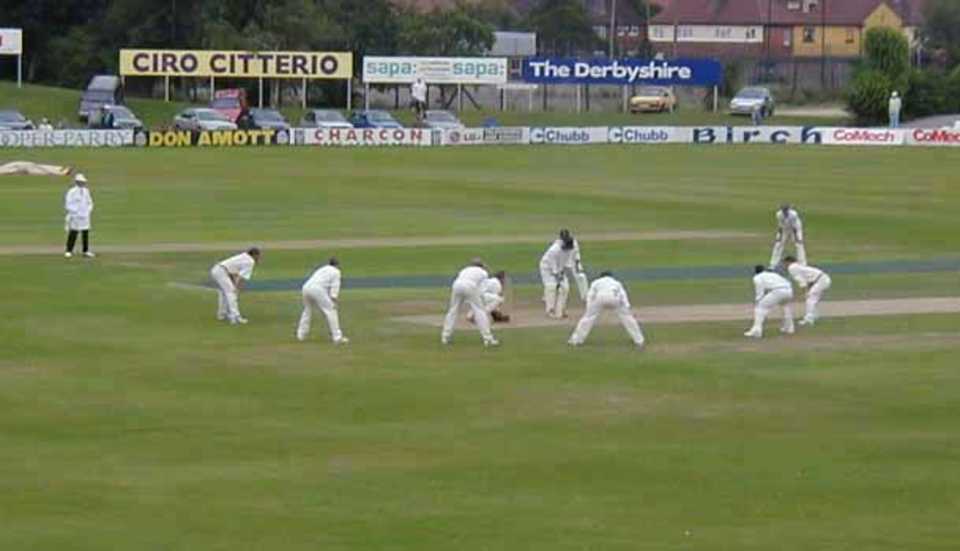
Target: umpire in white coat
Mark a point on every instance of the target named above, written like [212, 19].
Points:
[322, 291]
[79, 206]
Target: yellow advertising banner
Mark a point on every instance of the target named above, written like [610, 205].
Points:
[239, 64]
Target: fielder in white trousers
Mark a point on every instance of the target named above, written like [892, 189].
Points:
[468, 289]
[606, 293]
[228, 274]
[815, 281]
[772, 290]
[322, 292]
[789, 228]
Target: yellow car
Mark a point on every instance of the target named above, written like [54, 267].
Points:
[653, 99]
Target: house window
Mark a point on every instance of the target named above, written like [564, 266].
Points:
[851, 36]
[787, 39]
[601, 31]
[634, 30]
[809, 35]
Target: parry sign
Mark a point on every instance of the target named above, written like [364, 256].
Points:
[679, 72]
[435, 70]
[211, 63]
[65, 138]
[11, 42]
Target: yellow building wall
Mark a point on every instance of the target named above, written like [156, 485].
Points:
[883, 16]
[842, 41]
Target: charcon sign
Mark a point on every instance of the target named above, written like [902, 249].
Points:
[676, 72]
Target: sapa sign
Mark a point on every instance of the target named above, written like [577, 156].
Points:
[210, 63]
[435, 70]
[680, 72]
[11, 42]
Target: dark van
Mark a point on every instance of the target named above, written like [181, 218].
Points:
[102, 90]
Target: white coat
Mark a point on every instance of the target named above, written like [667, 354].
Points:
[79, 206]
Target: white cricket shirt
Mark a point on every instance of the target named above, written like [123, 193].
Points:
[804, 275]
[240, 265]
[327, 277]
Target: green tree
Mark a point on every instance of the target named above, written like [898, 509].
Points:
[454, 32]
[884, 70]
[563, 27]
[941, 28]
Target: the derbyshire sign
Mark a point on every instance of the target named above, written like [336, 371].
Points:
[435, 70]
[676, 72]
[237, 64]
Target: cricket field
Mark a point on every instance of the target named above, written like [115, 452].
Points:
[131, 419]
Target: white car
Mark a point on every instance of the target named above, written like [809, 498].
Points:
[324, 118]
[442, 120]
[201, 118]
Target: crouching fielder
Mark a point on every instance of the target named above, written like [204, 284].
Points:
[468, 288]
[229, 275]
[322, 291]
[491, 294]
[814, 280]
[606, 293]
[771, 290]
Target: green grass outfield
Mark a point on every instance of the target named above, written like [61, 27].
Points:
[130, 419]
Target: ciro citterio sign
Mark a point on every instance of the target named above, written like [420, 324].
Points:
[237, 64]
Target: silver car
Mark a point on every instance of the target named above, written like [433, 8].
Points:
[754, 98]
[442, 120]
[13, 120]
[324, 118]
[202, 118]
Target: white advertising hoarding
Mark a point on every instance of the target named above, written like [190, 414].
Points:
[65, 138]
[862, 136]
[362, 136]
[938, 137]
[11, 42]
[435, 70]
[570, 135]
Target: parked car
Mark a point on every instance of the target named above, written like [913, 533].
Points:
[102, 90]
[443, 120]
[373, 118]
[263, 118]
[653, 99]
[199, 118]
[232, 102]
[751, 99]
[114, 117]
[14, 120]
[324, 118]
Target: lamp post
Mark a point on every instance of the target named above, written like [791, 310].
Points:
[613, 23]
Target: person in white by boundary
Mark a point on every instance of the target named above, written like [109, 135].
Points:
[770, 290]
[322, 291]
[229, 275]
[79, 206]
[894, 106]
[789, 226]
[467, 288]
[562, 255]
[814, 280]
[606, 293]
[418, 91]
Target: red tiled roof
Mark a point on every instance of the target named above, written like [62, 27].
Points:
[757, 12]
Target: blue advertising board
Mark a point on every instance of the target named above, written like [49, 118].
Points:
[662, 72]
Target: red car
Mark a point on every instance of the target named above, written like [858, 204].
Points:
[231, 102]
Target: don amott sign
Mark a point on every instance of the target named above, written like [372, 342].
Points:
[240, 64]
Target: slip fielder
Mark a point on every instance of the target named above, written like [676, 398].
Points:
[815, 281]
[770, 291]
[229, 275]
[322, 291]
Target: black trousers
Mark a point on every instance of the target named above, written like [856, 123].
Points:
[72, 240]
